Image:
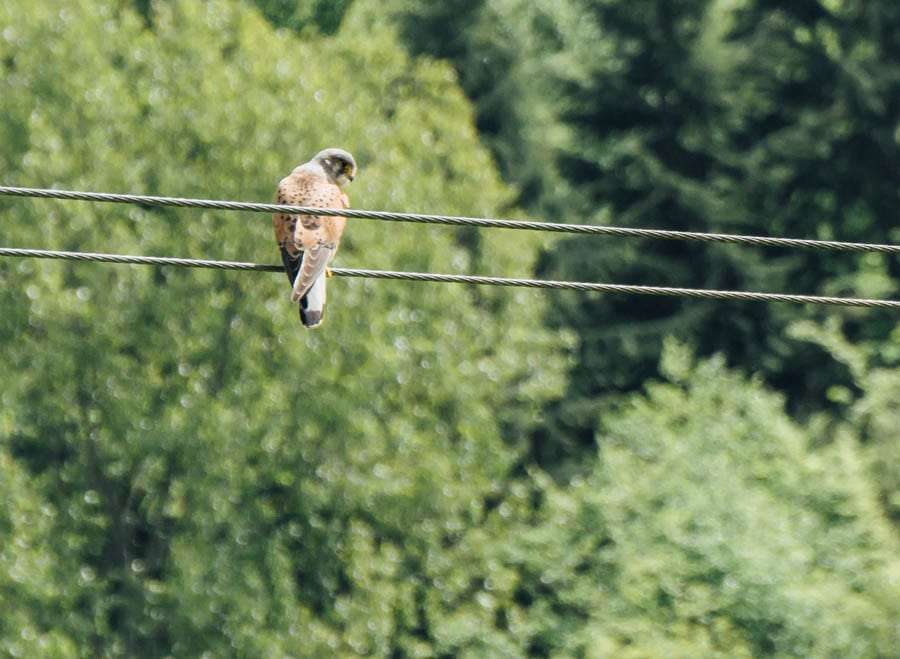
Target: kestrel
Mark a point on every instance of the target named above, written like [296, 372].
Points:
[309, 242]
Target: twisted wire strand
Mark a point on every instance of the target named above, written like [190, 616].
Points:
[461, 279]
[140, 260]
[759, 241]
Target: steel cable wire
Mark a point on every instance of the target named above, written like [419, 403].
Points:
[460, 279]
[589, 229]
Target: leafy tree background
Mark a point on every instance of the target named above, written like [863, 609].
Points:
[442, 469]
[729, 116]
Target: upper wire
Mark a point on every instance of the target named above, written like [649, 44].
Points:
[760, 241]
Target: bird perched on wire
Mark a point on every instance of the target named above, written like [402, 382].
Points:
[308, 243]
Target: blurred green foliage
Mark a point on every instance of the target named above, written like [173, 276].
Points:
[738, 116]
[320, 16]
[185, 471]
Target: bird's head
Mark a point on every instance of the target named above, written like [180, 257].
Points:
[338, 164]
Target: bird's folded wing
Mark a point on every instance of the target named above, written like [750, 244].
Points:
[315, 260]
[291, 264]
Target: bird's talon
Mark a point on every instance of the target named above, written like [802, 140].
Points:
[328, 272]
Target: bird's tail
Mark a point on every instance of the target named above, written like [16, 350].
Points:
[312, 305]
